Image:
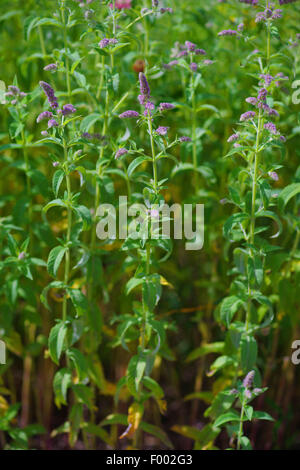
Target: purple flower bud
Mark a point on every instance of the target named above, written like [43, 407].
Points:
[14, 89]
[50, 67]
[166, 106]
[144, 86]
[52, 123]
[248, 380]
[271, 128]
[22, 255]
[248, 394]
[55, 164]
[273, 175]
[200, 52]
[228, 32]
[103, 43]
[129, 114]
[247, 116]
[191, 47]
[49, 92]
[120, 152]
[251, 100]
[184, 138]
[44, 115]
[68, 109]
[233, 137]
[44, 133]
[162, 130]
[193, 67]
[262, 94]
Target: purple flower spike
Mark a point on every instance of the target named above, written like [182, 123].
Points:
[200, 52]
[162, 130]
[271, 128]
[44, 115]
[52, 123]
[247, 116]
[68, 109]
[185, 138]
[166, 106]
[129, 114]
[50, 68]
[144, 86]
[248, 380]
[251, 100]
[233, 138]
[49, 92]
[14, 89]
[191, 47]
[228, 32]
[103, 43]
[120, 152]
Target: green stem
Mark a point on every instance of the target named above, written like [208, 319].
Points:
[253, 204]
[67, 65]
[150, 128]
[69, 210]
[240, 434]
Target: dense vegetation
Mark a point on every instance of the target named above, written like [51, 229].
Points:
[139, 343]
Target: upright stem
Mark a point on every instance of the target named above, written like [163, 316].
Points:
[150, 128]
[66, 53]
[253, 203]
[67, 262]
[240, 434]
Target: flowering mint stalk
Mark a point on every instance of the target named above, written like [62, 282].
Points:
[254, 199]
[149, 331]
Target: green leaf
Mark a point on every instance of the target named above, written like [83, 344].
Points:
[132, 284]
[217, 347]
[79, 362]
[230, 305]
[57, 180]
[262, 415]
[288, 193]
[135, 372]
[248, 353]
[78, 299]
[61, 382]
[89, 121]
[228, 417]
[151, 291]
[85, 216]
[135, 163]
[54, 203]
[153, 386]
[56, 341]
[157, 432]
[54, 259]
